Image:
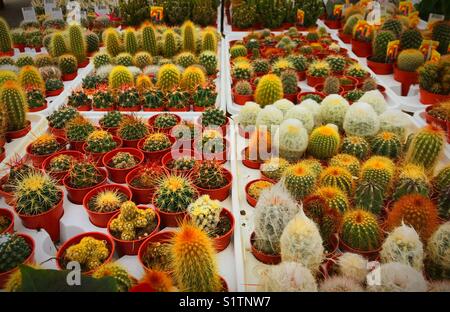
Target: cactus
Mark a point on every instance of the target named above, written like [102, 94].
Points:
[78, 129]
[323, 142]
[356, 146]
[209, 175]
[123, 160]
[45, 144]
[410, 60]
[441, 181]
[124, 59]
[350, 24]
[238, 50]
[379, 170]
[380, 44]
[14, 250]
[213, 117]
[189, 36]
[24, 60]
[333, 110]
[170, 45]
[346, 161]
[101, 59]
[399, 277]
[261, 66]
[192, 77]
[334, 198]
[242, 71]
[123, 281]
[60, 163]
[143, 84]
[13, 101]
[84, 174]
[331, 85]
[426, 147]
[208, 60]
[393, 25]
[68, 64]
[353, 266]
[157, 141]
[411, 180]
[299, 180]
[287, 276]
[255, 189]
[177, 98]
[248, 114]
[165, 120]
[337, 177]
[289, 81]
[269, 90]
[387, 144]
[186, 59]
[410, 39]
[281, 65]
[361, 120]
[337, 63]
[106, 201]
[369, 84]
[440, 33]
[142, 59]
[132, 128]
[103, 99]
[360, 230]
[92, 42]
[291, 139]
[128, 97]
[299, 62]
[244, 14]
[302, 114]
[319, 69]
[90, 253]
[5, 37]
[168, 77]
[120, 77]
[340, 284]
[77, 43]
[111, 119]
[78, 98]
[205, 213]
[370, 196]
[29, 77]
[149, 39]
[130, 41]
[61, 116]
[112, 42]
[403, 245]
[100, 141]
[174, 193]
[437, 265]
[274, 167]
[354, 95]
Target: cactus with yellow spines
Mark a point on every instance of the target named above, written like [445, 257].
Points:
[45, 144]
[380, 170]
[299, 180]
[356, 146]
[387, 144]
[334, 197]
[192, 77]
[124, 59]
[78, 128]
[168, 77]
[120, 77]
[347, 161]
[360, 230]
[130, 41]
[411, 179]
[90, 253]
[77, 43]
[30, 78]
[205, 213]
[186, 59]
[174, 193]
[5, 36]
[101, 59]
[324, 142]
[281, 65]
[188, 34]
[123, 280]
[142, 59]
[170, 44]
[112, 42]
[238, 50]
[269, 90]
[58, 45]
[100, 141]
[209, 41]
[194, 261]
[149, 39]
[274, 167]
[7, 75]
[106, 201]
[156, 141]
[441, 181]
[426, 147]
[208, 60]
[143, 84]
[68, 64]
[338, 177]
[315, 166]
[14, 103]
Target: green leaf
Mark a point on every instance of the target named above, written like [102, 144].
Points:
[40, 280]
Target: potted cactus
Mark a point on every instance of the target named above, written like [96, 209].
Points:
[317, 72]
[18, 39]
[439, 114]
[164, 122]
[155, 253]
[36, 100]
[128, 100]
[289, 79]
[142, 182]
[333, 15]
[83, 177]
[155, 146]
[39, 202]
[204, 97]
[5, 39]
[53, 87]
[90, 84]
[214, 118]
[316, 96]
[242, 92]
[254, 188]
[177, 100]
[77, 130]
[6, 221]
[110, 121]
[131, 130]
[43, 147]
[103, 101]
[15, 249]
[90, 250]
[405, 70]
[79, 100]
[379, 62]
[14, 106]
[433, 88]
[59, 118]
[103, 202]
[17, 167]
[358, 72]
[211, 145]
[121, 161]
[98, 143]
[181, 161]
[153, 100]
[58, 164]
[210, 178]
[173, 194]
[69, 67]
[131, 226]
[362, 39]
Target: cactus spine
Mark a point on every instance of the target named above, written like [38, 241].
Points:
[324, 142]
[299, 180]
[269, 90]
[58, 45]
[112, 42]
[360, 230]
[209, 41]
[5, 37]
[170, 44]
[188, 36]
[338, 177]
[30, 78]
[168, 77]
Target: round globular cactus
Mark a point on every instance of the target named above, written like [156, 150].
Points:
[14, 103]
[387, 144]
[101, 59]
[208, 60]
[149, 39]
[185, 59]
[441, 181]
[90, 253]
[334, 198]
[100, 141]
[168, 77]
[337, 177]
[287, 276]
[299, 180]
[242, 71]
[394, 25]
[410, 39]
[361, 120]
[347, 161]
[378, 169]
[353, 266]
[324, 142]
[192, 77]
[370, 196]
[77, 43]
[269, 90]
[399, 277]
[410, 60]
[333, 110]
[360, 230]
[274, 167]
[14, 250]
[68, 64]
[120, 77]
[123, 280]
[238, 50]
[411, 180]
[291, 139]
[130, 41]
[437, 264]
[356, 146]
[30, 78]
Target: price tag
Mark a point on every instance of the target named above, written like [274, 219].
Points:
[156, 14]
[48, 6]
[433, 18]
[300, 17]
[392, 50]
[73, 12]
[29, 14]
[101, 10]
[405, 7]
[57, 13]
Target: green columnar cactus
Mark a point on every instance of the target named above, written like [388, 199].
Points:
[208, 60]
[338, 177]
[410, 60]
[92, 42]
[130, 41]
[170, 44]
[14, 250]
[410, 39]
[380, 44]
[440, 33]
[442, 180]
[84, 174]
[29, 77]
[112, 42]
[370, 196]
[189, 36]
[411, 180]
[5, 37]
[149, 40]
[142, 59]
[350, 23]
[68, 64]
[387, 144]
[291, 139]
[269, 90]
[120, 77]
[289, 79]
[299, 180]
[168, 77]
[118, 273]
[393, 25]
[360, 230]
[356, 146]
[209, 41]
[77, 43]
[14, 101]
[174, 193]
[426, 147]
[324, 142]
[101, 59]
[444, 203]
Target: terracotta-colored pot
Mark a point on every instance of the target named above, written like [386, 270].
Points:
[11, 135]
[38, 109]
[426, 97]
[151, 122]
[84, 108]
[37, 160]
[261, 256]
[250, 163]
[77, 146]
[109, 109]
[361, 48]
[148, 109]
[140, 195]
[7, 53]
[49, 220]
[349, 86]
[131, 247]
[8, 196]
[75, 195]
[301, 75]
[69, 77]
[112, 130]
[221, 193]
[130, 143]
[57, 132]
[76, 239]
[312, 81]
[135, 108]
[173, 109]
[406, 78]
[155, 156]
[292, 97]
[20, 47]
[101, 219]
[333, 24]
[433, 120]
[98, 157]
[380, 68]
[251, 200]
[119, 175]
[51, 93]
[10, 216]
[160, 237]
[59, 176]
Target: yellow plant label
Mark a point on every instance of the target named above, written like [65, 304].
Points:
[392, 50]
[405, 7]
[156, 14]
[427, 47]
[300, 17]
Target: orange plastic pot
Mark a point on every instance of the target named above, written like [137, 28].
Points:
[221, 193]
[426, 97]
[406, 78]
[11, 135]
[151, 122]
[160, 237]
[361, 48]
[380, 68]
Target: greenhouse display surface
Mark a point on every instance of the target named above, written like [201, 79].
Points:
[225, 146]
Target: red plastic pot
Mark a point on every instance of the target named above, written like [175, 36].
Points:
[9, 197]
[135, 108]
[261, 256]
[37, 160]
[379, 88]
[426, 97]
[173, 109]
[101, 219]
[75, 195]
[51, 93]
[350, 86]
[151, 122]
[57, 132]
[406, 79]
[109, 109]
[221, 193]
[69, 77]
[433, 120]
[11, 135]
[292, 97]
[344, 37]
[169, 219]
[302, 94]
[333, 24]
[119, 175]
[160, 237]
[301, 75]
[243, 133]
[77, 146]
[130, 143]
[250, 163]
[140, 195]
[7, 53]
[223, 128]
[168, 157]
[319, 88]
[361, 48]
[4, 276]
[370, 254]
[312, 81]
[131, 248]
[8, 214]
[20, 47]
[84, 63]
[76, 239]
[112, 130]
[158, 109]
[98, 157]
[156, 155]
[241, 99]
[380, 68]
[49, 220]
[251, 200]
[220, 157]
[84, 108]
[59, 176]
[38, 109]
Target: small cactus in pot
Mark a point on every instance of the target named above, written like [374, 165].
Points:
[106, 201]
[14, 250]
[156, 141]
[100, 141]
[45, 144]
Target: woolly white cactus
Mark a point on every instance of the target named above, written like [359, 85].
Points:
[273, 211]
[361, 120]
[291, 139]
[340, 284]
[301, 242]
[283, 105]
[303, 114]
[375, 99]
[269, 116]
[247, 115]
[286, 276]
[399, 277]
[333, 109]
[403, 245]
[313, 107]
[397, 122]
[438, 247]
[353, 266]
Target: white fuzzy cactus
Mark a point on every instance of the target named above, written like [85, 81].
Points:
[303, 114]
[269, 116]
[301, 242]
[353, 266]
[283, 105]
[403, 245]
[397, 122]
[399, 277]
[333, 109]
[361, 120]
[340, 284]
[273, 211]
[438, 247]
[205, 213]
[291, 139]
[375, 99]
[287, 277]
[247, 115]
[313, 107]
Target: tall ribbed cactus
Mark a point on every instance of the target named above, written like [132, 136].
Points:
[170, 44]
[112, 42]
[5, 36]
[77, 43]
[130, 41]
[168, 77]
[12, 96]
[29, 77]
[119, 77]
[188, 35]
[194, 261]
[58, 45]
[209, 41]
[149, 40]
